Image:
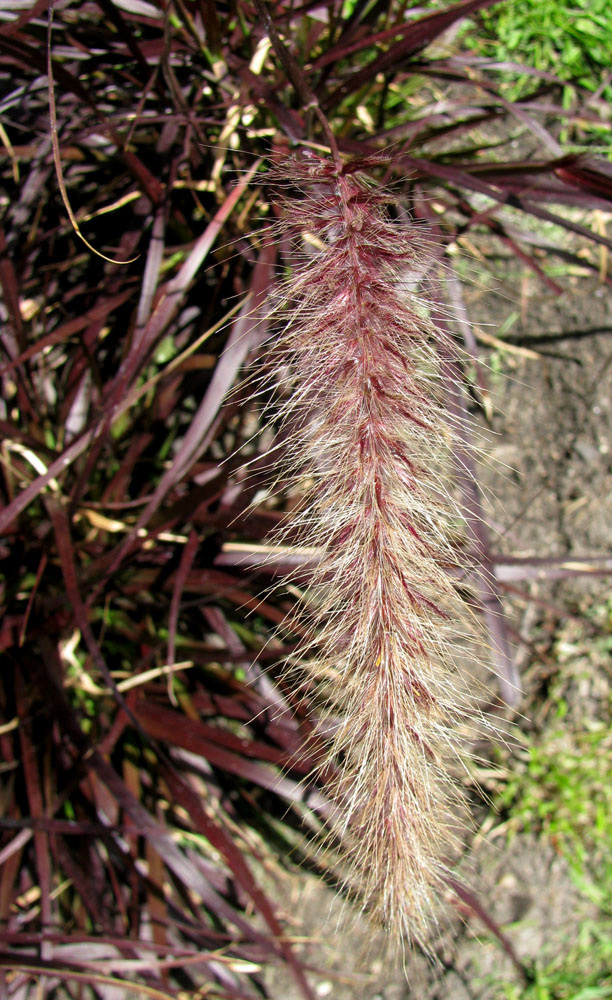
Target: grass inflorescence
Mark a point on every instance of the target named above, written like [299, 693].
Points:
[360, 397]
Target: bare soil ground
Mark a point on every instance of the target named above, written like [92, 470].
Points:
[549, 489]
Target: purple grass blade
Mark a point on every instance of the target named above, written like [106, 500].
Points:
[171, 294]
[511, 568]
[150, 278]
[235, 859]
[420, 34]
[473, 903]
[36, 487]
[37, 810]
[461, 178]
[10, 291]
[483, 569]
[175, 859]
[101, 311]
[247, 331]
[222, 749]
[187, 557]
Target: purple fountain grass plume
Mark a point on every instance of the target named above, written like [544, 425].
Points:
[360, 398]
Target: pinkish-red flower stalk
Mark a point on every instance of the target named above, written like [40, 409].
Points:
[368, 439]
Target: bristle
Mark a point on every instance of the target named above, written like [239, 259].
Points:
[367, 433]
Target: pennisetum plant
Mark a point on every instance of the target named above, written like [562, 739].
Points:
[359, 394]
[361, 400]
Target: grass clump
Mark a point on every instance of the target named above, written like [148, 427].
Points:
[584, 972]
[570, 41]
[562, 788]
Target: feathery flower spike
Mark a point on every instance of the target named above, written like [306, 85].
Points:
[360, 398]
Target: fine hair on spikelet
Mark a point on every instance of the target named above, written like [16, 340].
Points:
[359, 398]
